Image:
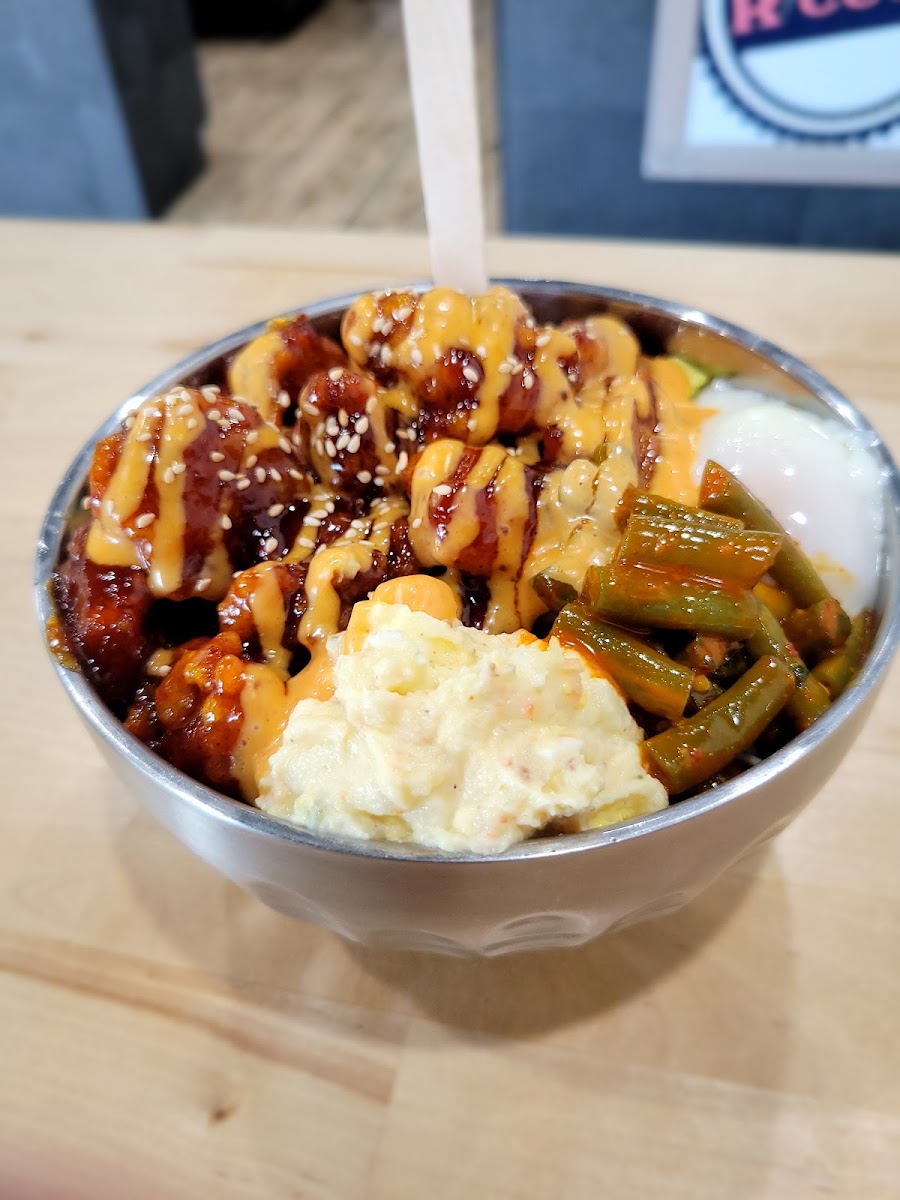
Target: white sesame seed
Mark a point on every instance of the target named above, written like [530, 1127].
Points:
[284, 444]
[471, 424]
[376, 325]
[306, 543]
[192, 423]
[178, 468]
[335, 373]
[378, 482]
[216, 456]
[416, 522]
[385, 354]
[251, 462]
[186, 410]
[276, 510]
[362, 425]
[364, 476]
[443, 489]
[415, 357]
[284, 400]
[481, 351]
[210, 393]
[356, 523]
[86, 503]
[331, 427]
[381, 469]
[402, 460]
[128, 423]
[470, 373]
[275, 474]
[214, 414]
[143, 437]
[518, 368]
[389, 447]
[270, 545]
[235, 414]
[168, 475]
[295, 474]
[353, 444]
[242, 484]
[387, 325]
[225, 521]
[226, 476]
[354, 339]
[329, 448]
[371, 404]
[505, 368]
[143, 520]
[542, 340]
[343, 418]
[202, 583]
[343, 441]
[252, 436]
[260, 475]
[315, 522]
[528, 380]
[329, 506]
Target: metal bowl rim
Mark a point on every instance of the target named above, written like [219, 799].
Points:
[257, 822]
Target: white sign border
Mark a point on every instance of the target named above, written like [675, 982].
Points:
[667, 155]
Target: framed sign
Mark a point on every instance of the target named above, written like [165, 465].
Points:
[775, 91]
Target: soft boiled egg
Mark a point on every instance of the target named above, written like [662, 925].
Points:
[818, 478]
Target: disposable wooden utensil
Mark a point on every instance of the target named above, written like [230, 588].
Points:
[439, 50]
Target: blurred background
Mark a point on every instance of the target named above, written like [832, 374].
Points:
[296, 112]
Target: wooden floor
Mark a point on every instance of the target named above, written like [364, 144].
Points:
[317, 129]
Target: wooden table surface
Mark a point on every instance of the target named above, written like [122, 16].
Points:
[163, 1034]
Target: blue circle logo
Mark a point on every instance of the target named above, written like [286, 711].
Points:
[824, 70]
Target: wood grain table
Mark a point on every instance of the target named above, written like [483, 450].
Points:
[163, 1035]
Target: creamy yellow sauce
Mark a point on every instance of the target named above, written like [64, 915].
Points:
[600, 412]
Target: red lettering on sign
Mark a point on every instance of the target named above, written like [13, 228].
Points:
[750, 15]
[816, 9]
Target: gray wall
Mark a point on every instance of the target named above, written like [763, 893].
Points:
[572, 81]
[100, 106]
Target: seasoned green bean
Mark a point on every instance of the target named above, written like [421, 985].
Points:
[837, 669]
[693, 750]
[818, 629]
[716, 553]
[654, 599]
[647, 677]
[636, 503]
[553, 592]
[810, 699]
[721, 492]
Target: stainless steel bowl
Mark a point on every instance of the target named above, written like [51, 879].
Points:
[544, 893]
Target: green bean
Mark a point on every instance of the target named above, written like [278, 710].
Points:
[693, 750]
[554, 593]
[653, 599]
[645, 676]
[810, 699]
[818, 629]
[722, 493]
[704, 550]
[636, 503]
[837, 669]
